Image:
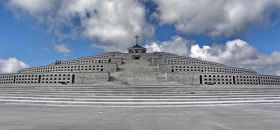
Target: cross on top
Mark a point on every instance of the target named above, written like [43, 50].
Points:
[137, 38]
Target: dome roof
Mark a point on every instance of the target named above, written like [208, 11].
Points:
[137, 49]
[136, 46]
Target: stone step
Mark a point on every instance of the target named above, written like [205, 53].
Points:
[132, 90]
[138, 97]
[209, 87]
[158, 91]
[137, 90]
[57, 88]
[131, 93]
[141, 86]
[135, 72]
[136, 100]
[133, 103]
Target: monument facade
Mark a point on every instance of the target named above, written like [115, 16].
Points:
[138, 67]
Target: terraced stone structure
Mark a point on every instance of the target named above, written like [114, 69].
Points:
[138, 67]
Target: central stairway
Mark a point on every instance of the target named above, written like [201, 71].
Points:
[136, 72]
[138, 95]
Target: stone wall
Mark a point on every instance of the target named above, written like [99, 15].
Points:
[91, 78]
[227, 79]
[90, 67]
[6, 78]
[204, 69]
[54, 78]
[138, 67]
[187, 61]
[117, 61]
[191, 79]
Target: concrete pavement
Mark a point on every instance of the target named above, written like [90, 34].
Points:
[226, 117]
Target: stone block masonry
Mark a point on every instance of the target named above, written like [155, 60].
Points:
[138, 67]
[54, 78]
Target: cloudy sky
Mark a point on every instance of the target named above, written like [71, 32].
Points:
[242, 33]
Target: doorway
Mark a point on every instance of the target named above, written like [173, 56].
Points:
[136, 57]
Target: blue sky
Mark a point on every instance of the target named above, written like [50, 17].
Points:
[29, 41]
[27, 35]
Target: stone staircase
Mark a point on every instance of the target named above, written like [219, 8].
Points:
[136, 72]
[138, 95]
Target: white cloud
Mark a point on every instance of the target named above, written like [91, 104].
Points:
[62, 48]
[233, 53]
[108, 22]
[32, 6]
[177, 45]
[221, 17]
[104, 21]
[278, 73]
[11, 65]
[239, 53]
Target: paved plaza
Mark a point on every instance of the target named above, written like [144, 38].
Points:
[225, 117]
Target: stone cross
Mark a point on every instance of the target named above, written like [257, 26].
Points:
[137, 38]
